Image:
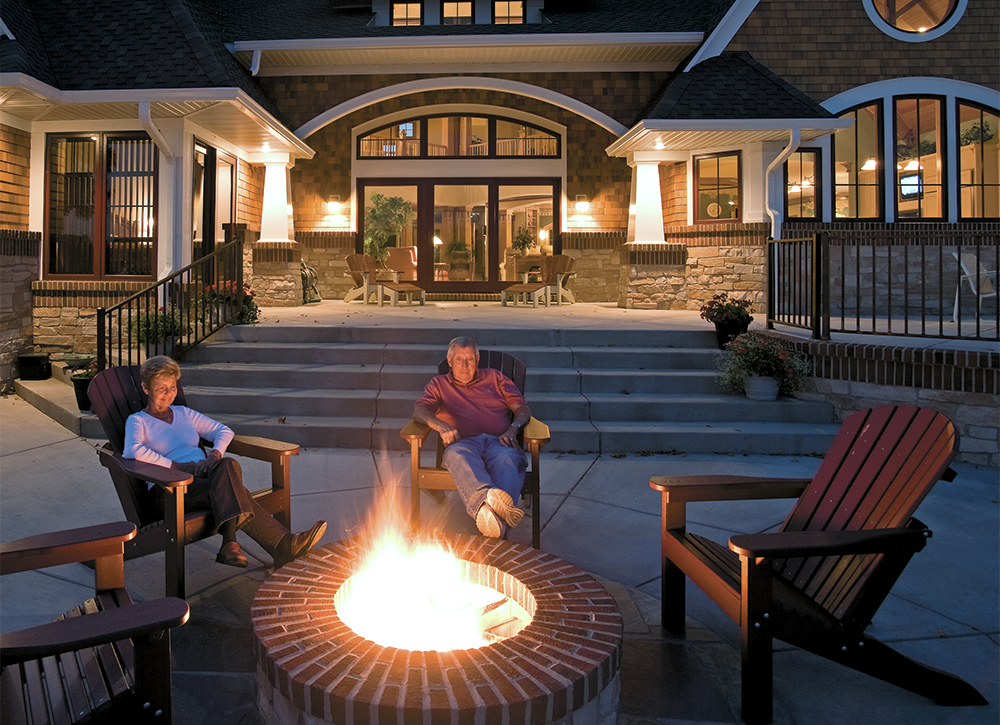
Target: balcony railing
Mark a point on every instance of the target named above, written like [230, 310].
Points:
[175, 314]
[940, 284]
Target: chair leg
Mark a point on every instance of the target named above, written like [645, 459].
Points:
[152, 674]
[757, 677]
[173, 500]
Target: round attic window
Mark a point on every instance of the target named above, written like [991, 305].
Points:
[915, 21]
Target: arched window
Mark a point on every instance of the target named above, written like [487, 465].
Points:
[459, 137]
[919, 168]
[978, 162]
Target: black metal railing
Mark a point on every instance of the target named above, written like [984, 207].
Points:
[926, 284]
[175, 314]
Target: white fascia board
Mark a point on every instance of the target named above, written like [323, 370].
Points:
[472, 41]
[720, 38]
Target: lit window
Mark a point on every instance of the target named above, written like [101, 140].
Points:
[458, 136]
[919, 164]
[508, 13]
[915, 16]
[857, 167]
[456, 13]
[517, 139]
[978, 162]
[717, 188]
[801, 180]
[406, 13]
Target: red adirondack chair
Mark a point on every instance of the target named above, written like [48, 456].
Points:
[115, 394]
[436, 478]
[818, 582]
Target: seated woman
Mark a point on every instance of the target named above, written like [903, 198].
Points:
[168, 435]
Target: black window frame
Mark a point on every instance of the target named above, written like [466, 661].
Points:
[879, 159]
[472, 15]
[943, 182]
[739, 187]
[392, 14]
[493, 13]
[817, 185]
[982, 108]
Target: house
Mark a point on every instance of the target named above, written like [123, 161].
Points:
[660, 143]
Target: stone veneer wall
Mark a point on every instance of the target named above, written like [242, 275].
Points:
[696, 263]
[326, 252]
[597, 269]
[65, 313]
[964, 385]
[15, 152]
[18, 268]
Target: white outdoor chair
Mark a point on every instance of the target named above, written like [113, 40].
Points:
[977, 277]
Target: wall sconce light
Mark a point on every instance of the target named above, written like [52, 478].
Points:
[582, 204]
[869, 165]
[333, 205]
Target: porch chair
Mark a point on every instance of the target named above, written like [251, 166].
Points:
[106, 660]
[404, 261]
[978, 278]
[364, 270]
[555, 273]
[819, 580]
[436, 478]
[115, 394]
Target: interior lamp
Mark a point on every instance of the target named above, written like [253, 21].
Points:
[542, 235]
[437, 241]
[582, 204]
[869, 165]
[333, 205]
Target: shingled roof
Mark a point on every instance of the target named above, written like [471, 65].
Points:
[125, 44]
[731, 86]
[26, 52]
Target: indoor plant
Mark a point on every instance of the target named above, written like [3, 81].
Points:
[731, 317]
[522, 241]
[758, 360]
[384, 219]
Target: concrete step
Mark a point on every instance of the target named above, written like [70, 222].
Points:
[56, 399]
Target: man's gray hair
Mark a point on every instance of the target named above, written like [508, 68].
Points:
[463, 342]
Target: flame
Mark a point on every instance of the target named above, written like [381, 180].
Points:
[412, 594]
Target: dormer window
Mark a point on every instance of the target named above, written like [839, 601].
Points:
[407, 13]
[456, 13]
[508, 13]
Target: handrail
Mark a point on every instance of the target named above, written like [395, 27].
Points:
[176, 313]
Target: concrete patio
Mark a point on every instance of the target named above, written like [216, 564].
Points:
[600, 515]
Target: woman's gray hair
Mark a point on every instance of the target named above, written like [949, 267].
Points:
[159, 366]
[465, 343]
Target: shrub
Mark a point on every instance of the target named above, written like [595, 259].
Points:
[757, 353]
[151, 327]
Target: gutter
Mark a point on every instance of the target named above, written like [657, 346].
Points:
[146, 119]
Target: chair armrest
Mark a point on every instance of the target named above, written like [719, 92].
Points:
[160, 475]
[415, 431]
[262, 449]
[65, 547]
[726, 488]
[827, 543]
[110, 625]
[536, 433]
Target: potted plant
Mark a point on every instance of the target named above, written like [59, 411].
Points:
[81, 381]
[761, 366]
[522, 241]
[731, 317]
[384, 219]
[458, 252]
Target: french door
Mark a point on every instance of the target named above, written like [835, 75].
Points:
[459, 235]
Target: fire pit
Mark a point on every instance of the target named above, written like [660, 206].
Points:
[552, 654]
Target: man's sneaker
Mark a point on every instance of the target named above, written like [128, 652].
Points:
[488, 523]
[501, 503]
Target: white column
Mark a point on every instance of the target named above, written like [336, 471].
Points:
[276, 218]
[645, 214]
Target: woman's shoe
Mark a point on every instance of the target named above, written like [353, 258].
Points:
[230, 555]
[292, 546]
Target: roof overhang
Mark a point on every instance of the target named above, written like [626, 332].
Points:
[229, 113]
[578, 52]
[673, 136]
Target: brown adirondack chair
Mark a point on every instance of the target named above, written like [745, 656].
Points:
[107, 660]
[818, 582]
[436, 478]
[556, 271]
[115, 394]
[364, 271]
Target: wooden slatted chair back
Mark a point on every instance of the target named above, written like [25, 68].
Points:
[555, 264]
[507, 364]
[358, 264]
[882, 464]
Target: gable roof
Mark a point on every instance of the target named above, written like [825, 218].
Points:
[26, 52]
[731, 85]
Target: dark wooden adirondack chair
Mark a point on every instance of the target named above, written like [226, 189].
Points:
[818, 582]
[115, 394]
[107, 660]
[436, 478]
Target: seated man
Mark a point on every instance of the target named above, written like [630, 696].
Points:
[477, 413]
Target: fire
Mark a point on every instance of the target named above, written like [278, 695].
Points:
[415, 595]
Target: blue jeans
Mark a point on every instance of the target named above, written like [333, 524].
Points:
[480, 463]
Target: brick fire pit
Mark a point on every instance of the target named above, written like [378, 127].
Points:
[562, 668]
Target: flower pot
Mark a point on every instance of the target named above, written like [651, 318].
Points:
[759, 388]
[80, 386]
[726, 332]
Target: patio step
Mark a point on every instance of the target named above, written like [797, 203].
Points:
[611, 391]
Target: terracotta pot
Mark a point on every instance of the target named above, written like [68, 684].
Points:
[759, 388]
[726, 332]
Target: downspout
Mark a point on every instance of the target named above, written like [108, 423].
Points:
[146, 119]
[255, 63]
[777, 215]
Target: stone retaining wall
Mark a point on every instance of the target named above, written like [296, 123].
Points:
[326, 252]
[18, 268]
